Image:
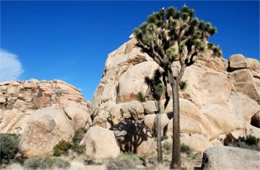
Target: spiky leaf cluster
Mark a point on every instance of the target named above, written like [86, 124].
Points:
[174, 35]
[155, 84]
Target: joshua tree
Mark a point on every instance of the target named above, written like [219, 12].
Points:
[157, 89]
[174, 39]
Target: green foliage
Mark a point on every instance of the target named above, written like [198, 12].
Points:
[122, 112]
[155, 84]
[125, 161]
[183, 85]
[165, 28]
[186, 149]
[79, 135]
[140, 97]
[64, 146]
[249, 142]
[61, 148]
[8, 146]
[46, 163]
[167, 148]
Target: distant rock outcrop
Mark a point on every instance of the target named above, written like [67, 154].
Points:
[222, 97]
[43, 113]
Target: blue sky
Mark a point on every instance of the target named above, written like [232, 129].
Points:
[71, 40]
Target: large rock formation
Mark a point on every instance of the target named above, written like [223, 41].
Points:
[222, 97]
[43, 113]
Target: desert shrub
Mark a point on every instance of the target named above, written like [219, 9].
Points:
[77, 148]
[46, 163]
[186, 149]
[183, 85]
[79, 135]
[125, 161]
[61, 148]
[60, 163]
[122, 112]
[248, 142]
[167, 148]
[8, 147]
[140, 97]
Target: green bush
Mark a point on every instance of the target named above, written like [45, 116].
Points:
[186, 149]
[79, 135]
[46, 163]
[125, 161]
[61, 148]
[77, 148]
[140, 97]
[122, 112]
[8, 146]
[183, 85]
[249, 142]
[167, 148]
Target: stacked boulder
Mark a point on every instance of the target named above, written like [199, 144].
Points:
[222, 97]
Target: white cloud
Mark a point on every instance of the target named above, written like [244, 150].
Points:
[10, 66]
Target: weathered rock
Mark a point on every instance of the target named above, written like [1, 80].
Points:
[134, 137]
[23, 98]
[221, 121]
[196, 142]
[215, 103]
[220, 157]
[254, 67]
[149, 107]
[238, 61]
[100, 143]
[126, 110]
[217, 64]
[79, 115]
[242, 107]
[206, 86]
[132, 81]
[243, 82]
[253, 131]
[45, 128]
[188, 125]
[151, 121]
[190, 113]
[147, 147]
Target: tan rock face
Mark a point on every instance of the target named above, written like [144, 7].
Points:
[134, 137]
[243, 82]
[126, 110]
[221, 96]
[100, 143]
[45, 128]
[20, 99]
[197, 142]
[43, 113]
[238, 61]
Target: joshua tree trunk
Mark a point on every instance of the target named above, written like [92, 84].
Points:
[176, 161]
[158, 132]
